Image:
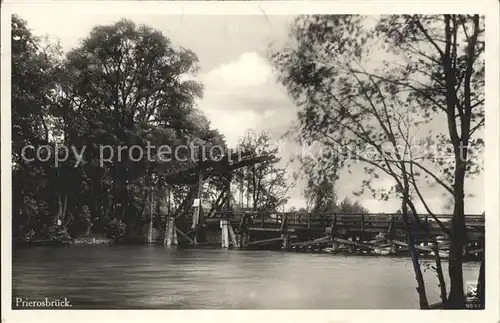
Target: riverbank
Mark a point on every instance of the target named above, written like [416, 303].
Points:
[51, 242]
[92, 241]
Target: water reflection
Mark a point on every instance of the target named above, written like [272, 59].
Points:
[155, 277]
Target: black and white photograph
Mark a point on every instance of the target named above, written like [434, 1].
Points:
[169, 157]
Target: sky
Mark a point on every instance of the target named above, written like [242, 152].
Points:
[240, 87]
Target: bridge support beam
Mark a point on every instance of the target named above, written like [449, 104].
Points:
[335, 246]
[197, 220]
[284, 235]
[244, 239]
[232, 235]
[286, 241]
[170, 233]
[224, 225]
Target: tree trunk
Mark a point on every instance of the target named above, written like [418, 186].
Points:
[422, 296]
[437, 257]
[439, 273]
[61, 213]
[456, 298]
[480, 284]
[65, 206]
[59, 210]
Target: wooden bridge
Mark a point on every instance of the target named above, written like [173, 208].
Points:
[389, 234]
[385, 234]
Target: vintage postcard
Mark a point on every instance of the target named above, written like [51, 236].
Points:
[323, 161]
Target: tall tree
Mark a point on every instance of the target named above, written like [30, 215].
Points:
[266, 183]
[34, 65]
[124, 85]
[349, 207]
[320, 192]
[449, 51]
[372, 111]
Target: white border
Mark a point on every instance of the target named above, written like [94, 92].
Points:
[488, 8]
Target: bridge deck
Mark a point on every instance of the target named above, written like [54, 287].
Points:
[353, 222]
[373, 233]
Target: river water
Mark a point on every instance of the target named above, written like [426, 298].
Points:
[154, 277]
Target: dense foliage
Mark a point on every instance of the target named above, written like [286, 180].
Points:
[124, 85]
[264, 185]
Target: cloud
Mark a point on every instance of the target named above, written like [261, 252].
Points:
[244, 94]
[250, 70]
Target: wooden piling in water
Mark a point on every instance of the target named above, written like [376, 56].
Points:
[232, 236]
[224, 233]
[284, 234]
[335, 246]
[197, 212]
[170, 233]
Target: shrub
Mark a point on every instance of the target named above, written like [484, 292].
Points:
[59, 234]
[116, 230]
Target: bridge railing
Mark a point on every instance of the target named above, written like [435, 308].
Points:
[347, 220]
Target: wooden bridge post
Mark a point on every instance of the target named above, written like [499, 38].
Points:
[392, 229]
[286, 241]
[170, 233]
[242, 236]
[425, 238]
[151, 206]
[333, 224]
[163, 197]
[232, 235]
[224, 223]
[229, 193]
[284, 234]
[196, 223]
[335, 246]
